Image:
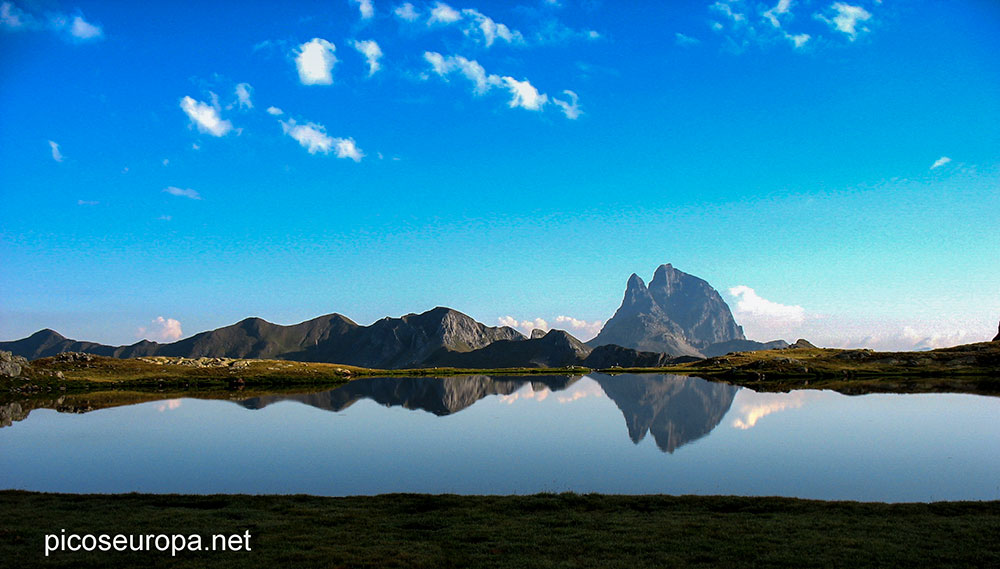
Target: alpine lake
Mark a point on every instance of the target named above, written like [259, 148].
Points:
[505, 435]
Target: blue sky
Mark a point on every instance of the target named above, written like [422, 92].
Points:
[833, 168]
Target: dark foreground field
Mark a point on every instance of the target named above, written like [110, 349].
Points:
[565, 530]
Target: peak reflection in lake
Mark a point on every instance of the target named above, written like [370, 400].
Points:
[631, 434]
[675, 409]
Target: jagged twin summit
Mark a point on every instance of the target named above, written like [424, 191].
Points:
[677, 315]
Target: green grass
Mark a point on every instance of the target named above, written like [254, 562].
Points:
[545, 530]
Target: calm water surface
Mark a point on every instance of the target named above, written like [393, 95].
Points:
[481, 435]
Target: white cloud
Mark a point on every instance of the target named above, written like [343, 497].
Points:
[490, 29]
[763, 312]
[524, 95]
[164, 218]
[366, 7]
[243, 91]
[314, 61]
[162, 330]
[206, 117]
[684, 40]
[726, 9]
[56, 154]
[186, 193]
[940, 162]
[847, 18]
[582, 329]
[12, 18]
[798, 40]
[314, 139]
[442, 13]
[570, 108]
[524, 326]
[165, 161]
[84, 30]
[87, 202]
[406, 12]
[372, 53]
[346, 148]
[275, 111]
[470, 69]
[782, 8]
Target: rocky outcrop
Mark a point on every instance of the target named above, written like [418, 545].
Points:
[678, 314]
[997, 338]
[11, 365]
[555, 348]
[800, 343]
[723, 348]
[610, 355]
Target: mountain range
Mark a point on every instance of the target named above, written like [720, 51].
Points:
[677, 316]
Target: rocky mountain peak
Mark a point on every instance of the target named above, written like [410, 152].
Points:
[677, 313]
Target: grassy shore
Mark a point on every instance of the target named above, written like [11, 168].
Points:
[972, 368]
[545, 530]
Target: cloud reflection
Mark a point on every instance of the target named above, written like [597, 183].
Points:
[752, 407]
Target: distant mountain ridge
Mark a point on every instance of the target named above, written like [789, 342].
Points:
[388, 343]
[440, 337]
[677, 314]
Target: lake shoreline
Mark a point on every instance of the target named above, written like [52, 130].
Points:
[973, 368]
[579, 530]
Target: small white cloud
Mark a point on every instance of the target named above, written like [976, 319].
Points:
[750, 304]
[782, 8]
[847, 18]
[164, 218]
[182, 192]
[490, 29]
[275, 111]
[406, 12]
[524, 326]
[346, 148]
[161, 330]
[582, 329]
[442, 13]
[726, 9]
[798, 40]
[940, 162]
[684, 40]
[569, 108]
[166, 161]
[372, 53]
[13, 18]
[524, 95]
[56, 154]
[314, 139]
[366, 7]
[470, 69]
[314, 61]
[87, 202]
[205, 117]
[243, 91]
[84, 30]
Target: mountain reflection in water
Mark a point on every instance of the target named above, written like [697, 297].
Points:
[675, 409]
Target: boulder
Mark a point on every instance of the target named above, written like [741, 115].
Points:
[11, 365]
